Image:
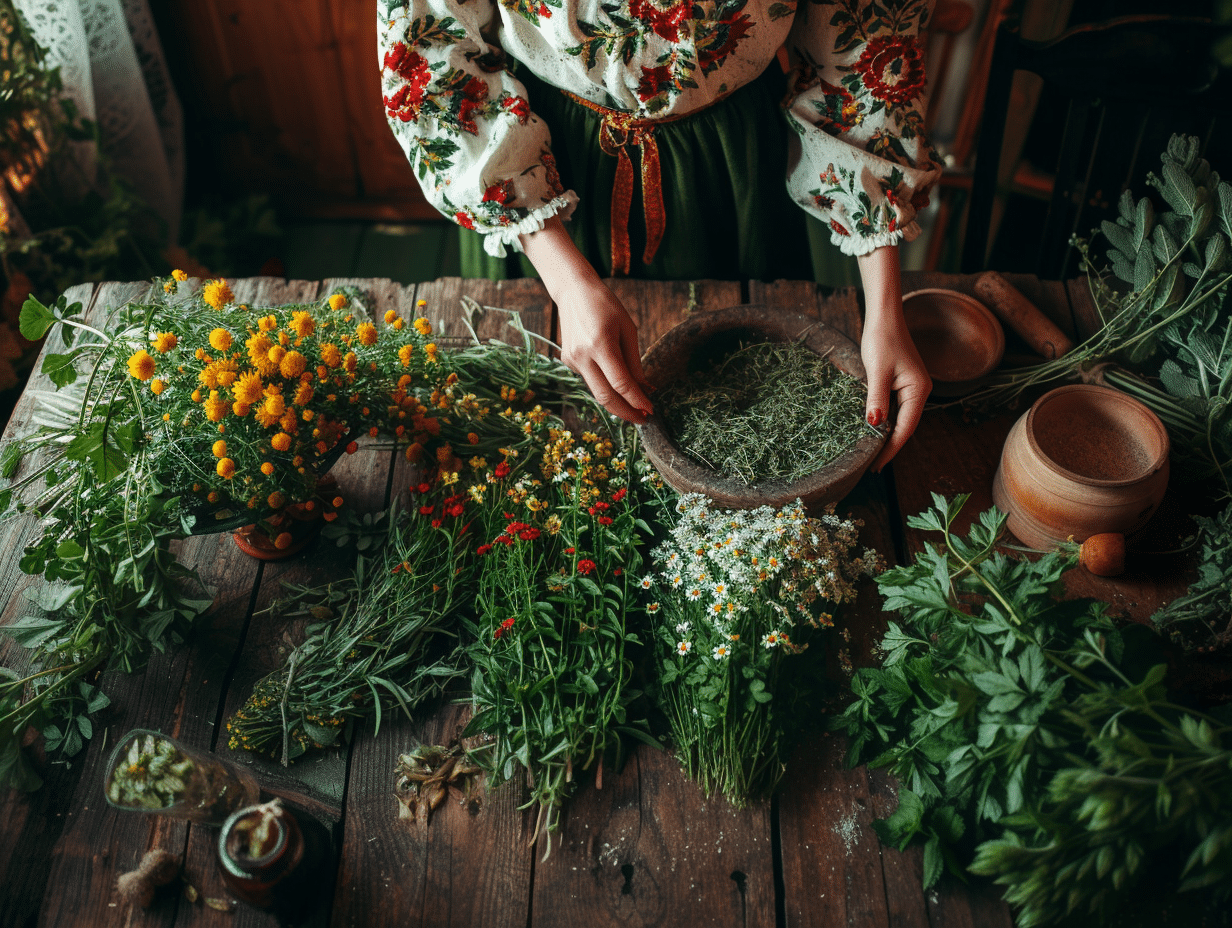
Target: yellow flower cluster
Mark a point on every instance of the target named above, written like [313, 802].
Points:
[268, 396]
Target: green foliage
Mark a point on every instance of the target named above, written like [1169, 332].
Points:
[1036, 729]
[1201, 619]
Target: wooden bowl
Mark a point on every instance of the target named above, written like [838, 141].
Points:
[707, 336]
[1083, 460]
[958, 337]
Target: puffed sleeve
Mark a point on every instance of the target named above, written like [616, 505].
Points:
[482, 157]
[860, 160]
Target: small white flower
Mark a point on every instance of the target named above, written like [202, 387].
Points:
[676, 581]
[771, 640]
[684, 647]
[652, 608]
[693, 595]
[647, 582]
[721, 652]
[683, 628]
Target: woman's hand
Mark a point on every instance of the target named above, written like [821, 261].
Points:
[598, 338]
[891, 361]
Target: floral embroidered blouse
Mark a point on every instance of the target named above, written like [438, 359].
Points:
[484, 158]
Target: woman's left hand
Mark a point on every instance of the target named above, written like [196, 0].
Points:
[891, 361]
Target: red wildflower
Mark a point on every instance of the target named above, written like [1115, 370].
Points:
[514, 527]
[585, 566]
[620, 494]
[483, 549]
[893, 68]
[502, 470]
[569, 550]
[424, 487]
[504, 627]
[529, 534]
[605, 520]
[617, 572]
[455, 510]
[436, 523]
[426, 510]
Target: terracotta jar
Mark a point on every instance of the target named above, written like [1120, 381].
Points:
[1084, 459]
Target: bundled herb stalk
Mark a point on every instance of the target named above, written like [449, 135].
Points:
[738, 593]
[1201, 619]
[1036, 729]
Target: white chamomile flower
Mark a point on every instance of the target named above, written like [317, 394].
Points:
[721, 652]
[771, 640]
[682, 628]
[676, 581]
[652, 608]
[693, 595]
[684, 647]
[647, 582]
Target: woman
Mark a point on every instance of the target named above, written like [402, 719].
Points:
[524, 115]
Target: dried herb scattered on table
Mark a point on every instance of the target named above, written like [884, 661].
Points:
[766, 411]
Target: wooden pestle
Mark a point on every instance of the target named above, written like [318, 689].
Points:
[1021, 315]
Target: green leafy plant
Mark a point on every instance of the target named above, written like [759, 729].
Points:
[1165, 291]
[1036, 729]
[1201, 619]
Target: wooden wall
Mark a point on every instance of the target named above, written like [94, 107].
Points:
[284, 97]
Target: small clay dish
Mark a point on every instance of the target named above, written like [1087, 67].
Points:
[958, 337]
[1084, 459]
[707, 336]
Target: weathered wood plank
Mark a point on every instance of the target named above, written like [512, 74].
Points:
[650, 847]
[840, 308]
[656, 306]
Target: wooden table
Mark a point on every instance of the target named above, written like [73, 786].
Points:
[645, 849]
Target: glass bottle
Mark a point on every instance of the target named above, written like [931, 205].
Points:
[272, 857]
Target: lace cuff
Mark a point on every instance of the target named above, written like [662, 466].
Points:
[494, 242]
[863, 244]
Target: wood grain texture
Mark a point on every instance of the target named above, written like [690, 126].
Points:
[650, 849]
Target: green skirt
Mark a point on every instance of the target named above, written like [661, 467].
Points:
[723, 169]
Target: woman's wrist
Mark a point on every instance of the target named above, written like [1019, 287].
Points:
[554, 255]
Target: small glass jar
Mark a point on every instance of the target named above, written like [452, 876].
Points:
[271, 856]
[152, 772]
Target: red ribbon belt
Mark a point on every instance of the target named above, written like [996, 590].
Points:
[618, 132]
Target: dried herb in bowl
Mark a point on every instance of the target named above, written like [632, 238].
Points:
[765, 411]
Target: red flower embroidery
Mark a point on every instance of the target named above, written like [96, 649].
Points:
[585, 566]
[464, 220]
[412, 67]
[499, 193]
[518, 106]
[654, 80]
[474, 95]
[664, 22]
[710, 58]
[550, 173]
[823, 202]
[893, 68]
[838, 228]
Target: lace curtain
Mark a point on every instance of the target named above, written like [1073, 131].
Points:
[112, 66]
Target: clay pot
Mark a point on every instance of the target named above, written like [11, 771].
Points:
[1084, 459]
[708, 335]
[958, 337]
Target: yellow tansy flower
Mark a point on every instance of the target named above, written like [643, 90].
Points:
[350, 362]
[225, 468]
[220, 339]
[164, 342]
[423, 326]
[267, 468]
[292, 364]
[331, 355]
[390, 315]
[220, 449]
[267, 323]
[302, 323]
[216, 407]
[366, 333]
[249, 388]
[141, 365]
[158, 386]
[303, 394]
[179, 275]
[217, 293]
[430, 351]
[404, 354]
[281, 442]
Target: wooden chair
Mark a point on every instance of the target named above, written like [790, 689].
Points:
[1127, 80]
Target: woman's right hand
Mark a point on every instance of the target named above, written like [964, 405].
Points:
[598, 337]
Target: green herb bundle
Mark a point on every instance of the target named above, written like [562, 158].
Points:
[1036, 729]
[1201, 619]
